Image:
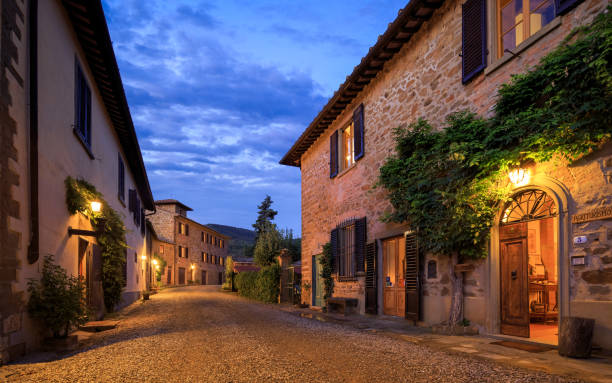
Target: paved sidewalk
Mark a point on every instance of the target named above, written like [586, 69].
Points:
[596, 369]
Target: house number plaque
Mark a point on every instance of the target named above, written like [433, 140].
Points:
[604, 212]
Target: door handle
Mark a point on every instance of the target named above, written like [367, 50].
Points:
[513, 274]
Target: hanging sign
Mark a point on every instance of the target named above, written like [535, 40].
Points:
[604, 212]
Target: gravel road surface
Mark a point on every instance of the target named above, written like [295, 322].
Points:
[199, 334]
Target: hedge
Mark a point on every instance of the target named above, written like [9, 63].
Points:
[262, 285]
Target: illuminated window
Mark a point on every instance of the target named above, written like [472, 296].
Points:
[346, 147]
[517, 20]
[161, 249]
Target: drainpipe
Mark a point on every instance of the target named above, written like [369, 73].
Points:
[33, 249]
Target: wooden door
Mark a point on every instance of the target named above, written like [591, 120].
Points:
[181, 275]
[371, 280]
[514, 280]
[169, 277]
[203, 277]
[394, 264]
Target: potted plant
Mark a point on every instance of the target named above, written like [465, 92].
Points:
[58, 301]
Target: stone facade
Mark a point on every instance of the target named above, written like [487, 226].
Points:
[424, 80]
[166, 222]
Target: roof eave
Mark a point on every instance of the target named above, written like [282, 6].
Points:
[398, 33]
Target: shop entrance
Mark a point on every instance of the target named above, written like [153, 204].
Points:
[528, 267]
[394, 264]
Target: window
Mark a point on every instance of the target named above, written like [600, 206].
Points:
[161, 249]
[348, 248]
[347, 155]
[202, 236]
[134, 206]
[517, 20]
[183, 252]
[432, 270]
[82, 107]
[135, 258]
[121, 179]
[183, 228]
[202, 257]
[346, 144]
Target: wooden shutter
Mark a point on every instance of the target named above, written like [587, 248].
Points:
[371, 290]
[186, 229]
[136, 211]
[334, 250]
[474, 41]
[564, 6]
[121, 178]
[333, 155]
[186, 252]
[132, 200]
[360, 244]
[359, 131]
[412, 277]
[142, 221]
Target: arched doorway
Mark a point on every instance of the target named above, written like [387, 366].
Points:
[529, 269]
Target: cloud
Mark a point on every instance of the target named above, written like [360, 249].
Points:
[220, 90]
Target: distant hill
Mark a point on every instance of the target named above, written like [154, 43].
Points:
[242, 240]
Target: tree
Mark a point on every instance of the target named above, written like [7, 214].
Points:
[268, 246]
[264, 218]
[294, 245]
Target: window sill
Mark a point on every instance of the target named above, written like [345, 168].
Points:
[347, 279]
[522, 46]
[343, 172]
[84, 143]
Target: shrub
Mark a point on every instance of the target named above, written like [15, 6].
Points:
[58, 300]
[262, 285]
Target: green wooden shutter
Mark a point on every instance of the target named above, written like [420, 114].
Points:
[564, 6]
[358, 126]
[333, 155]
[334, 250]
[412, 277]
[371, 287]
[360, 244]
[474, 38]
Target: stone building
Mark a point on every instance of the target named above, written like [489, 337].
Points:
[194, 253]
[64, 113]
[417, 69]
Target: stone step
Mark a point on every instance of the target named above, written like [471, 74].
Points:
[97, 326]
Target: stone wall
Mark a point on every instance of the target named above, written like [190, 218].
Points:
[423, 80]
[14, 212]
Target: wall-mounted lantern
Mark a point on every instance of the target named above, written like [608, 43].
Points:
[192, 266]
[95, 207]
[519, 176]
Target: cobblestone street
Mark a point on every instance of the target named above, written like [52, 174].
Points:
[198, 334]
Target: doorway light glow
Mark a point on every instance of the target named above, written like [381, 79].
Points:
[519, 177]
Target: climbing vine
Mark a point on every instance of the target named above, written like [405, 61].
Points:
[160, 266]
[79, 194]
[327, 271]
[448, 183]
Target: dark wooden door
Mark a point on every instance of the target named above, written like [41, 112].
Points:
[95, 294]
[169, 278]
[203, 277]
[394, 264]
[514, 280]
[181, 275]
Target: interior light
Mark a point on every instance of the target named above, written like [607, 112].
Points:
[95, 206]
[519, 177]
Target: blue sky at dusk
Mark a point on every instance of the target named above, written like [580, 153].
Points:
[220, 90]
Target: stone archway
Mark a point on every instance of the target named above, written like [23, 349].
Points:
[559, 194]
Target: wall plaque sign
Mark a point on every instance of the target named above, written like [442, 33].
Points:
[604, 212]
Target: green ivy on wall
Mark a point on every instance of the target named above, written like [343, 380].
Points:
[327, 271]
[79, 194]
[448, 183]
[160, 267]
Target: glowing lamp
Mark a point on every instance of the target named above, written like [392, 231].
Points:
[155, 261]
[192, 266]
[95, 206]
[143, 257]
[519, 177]
[157, 267]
